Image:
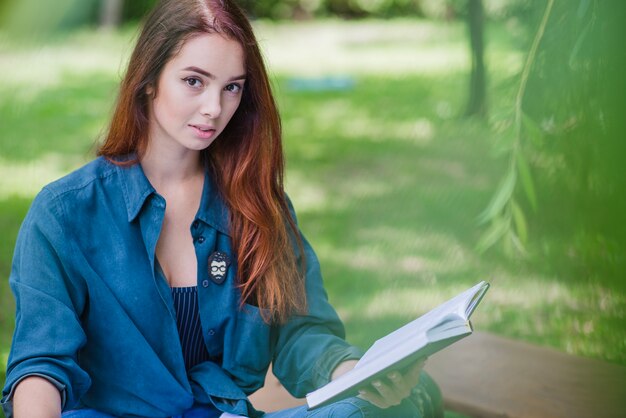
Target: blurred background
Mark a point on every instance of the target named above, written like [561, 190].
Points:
[430, 144]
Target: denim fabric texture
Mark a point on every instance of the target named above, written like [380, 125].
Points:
[194, 412]
[93, 316]
[425, 402]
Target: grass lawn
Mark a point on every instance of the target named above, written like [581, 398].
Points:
[386, 178]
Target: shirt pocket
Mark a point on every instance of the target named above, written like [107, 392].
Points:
[253, 345]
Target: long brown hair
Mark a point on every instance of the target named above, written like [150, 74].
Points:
[246, 161]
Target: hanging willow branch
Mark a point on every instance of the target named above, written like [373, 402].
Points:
[504, 214]
[527, 67]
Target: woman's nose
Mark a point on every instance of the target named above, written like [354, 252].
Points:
[211, 104]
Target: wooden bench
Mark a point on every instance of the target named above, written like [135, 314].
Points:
[486, 376]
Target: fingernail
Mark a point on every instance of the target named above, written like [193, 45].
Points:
[377, 384]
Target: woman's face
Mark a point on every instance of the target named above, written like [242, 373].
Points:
[197, 93]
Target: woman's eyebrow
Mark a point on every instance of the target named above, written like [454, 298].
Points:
[211, 76]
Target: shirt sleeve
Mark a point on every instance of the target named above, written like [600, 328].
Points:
[310, 346]
[48, 333]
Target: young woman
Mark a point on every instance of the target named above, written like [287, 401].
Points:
[163, 278]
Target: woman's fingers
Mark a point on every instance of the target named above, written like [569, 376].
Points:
[373, 397]
[391, 391]
[383, 394]
[413, 374]
[401, 387]
[388, 392]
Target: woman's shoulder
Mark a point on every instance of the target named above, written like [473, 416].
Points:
[59, 199]
[94, 171]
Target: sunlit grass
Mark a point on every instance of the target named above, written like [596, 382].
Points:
[364, 48]
[25, 179]
[30, 67]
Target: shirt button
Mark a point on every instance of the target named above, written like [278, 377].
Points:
[205, 283]
[195, 224]
[200, 239]
[211, 332]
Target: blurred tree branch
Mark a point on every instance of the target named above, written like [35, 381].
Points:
[477, 104]
[111, 13]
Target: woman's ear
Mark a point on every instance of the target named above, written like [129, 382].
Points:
[150, 90]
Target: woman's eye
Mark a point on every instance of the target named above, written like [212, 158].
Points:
[233, 88]
[192, 81]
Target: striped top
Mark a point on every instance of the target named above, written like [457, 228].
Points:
[189, 326]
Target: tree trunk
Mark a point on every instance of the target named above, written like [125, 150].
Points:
[111, 13]
[477, 104]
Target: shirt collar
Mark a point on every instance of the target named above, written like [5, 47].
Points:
[137, 188]
[213, 210]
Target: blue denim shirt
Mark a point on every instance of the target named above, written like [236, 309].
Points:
[94, 318]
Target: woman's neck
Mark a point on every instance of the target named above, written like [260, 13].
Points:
[165, 169]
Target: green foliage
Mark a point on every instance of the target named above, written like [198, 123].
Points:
[77, 13]
[503, 206]
[35, 18]
[565, 141]
[436, 9]
[134, 10]
[501, 197]
[11, 215]
[527, 182]
[578, 95]
[286, 9]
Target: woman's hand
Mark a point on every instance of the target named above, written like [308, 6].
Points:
[388, 392]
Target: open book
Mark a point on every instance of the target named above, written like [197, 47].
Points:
[431, 332]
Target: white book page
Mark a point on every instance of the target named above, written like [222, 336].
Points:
[455, 308]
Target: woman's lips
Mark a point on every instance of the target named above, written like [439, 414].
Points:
[203, 131]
